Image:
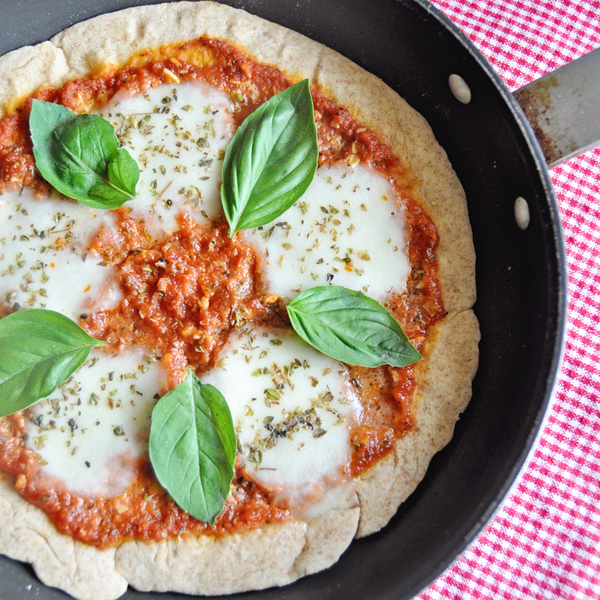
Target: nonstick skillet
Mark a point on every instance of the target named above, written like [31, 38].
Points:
[521, 278]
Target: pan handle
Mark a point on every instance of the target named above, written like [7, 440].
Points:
[563, 107]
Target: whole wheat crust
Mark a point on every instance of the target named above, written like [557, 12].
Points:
[274, 554]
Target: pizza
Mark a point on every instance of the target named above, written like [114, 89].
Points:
[324, 449]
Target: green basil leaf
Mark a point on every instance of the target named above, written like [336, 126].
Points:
[193, 446]
[39, 350]
[80, 156]
[271, 159]
[350, 327]
[123, 174]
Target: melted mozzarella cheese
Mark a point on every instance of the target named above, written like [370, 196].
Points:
[346, 230]
[178, 135]
[44, 262]
[291, 407]
[89, 433]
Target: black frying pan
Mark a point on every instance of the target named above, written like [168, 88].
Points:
[521, 278]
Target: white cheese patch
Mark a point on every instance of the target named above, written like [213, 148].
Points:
[292, 407]
[346, 230]
[178, 135]
[44, 262]
[90, 431]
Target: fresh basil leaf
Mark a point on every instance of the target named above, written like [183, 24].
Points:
[39, 350]
[271, 160]
[350, 327]
[123, 174]
[193, 446]
[80, 156]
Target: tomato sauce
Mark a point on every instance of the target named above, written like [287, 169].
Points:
[144, 511]
[183, 294]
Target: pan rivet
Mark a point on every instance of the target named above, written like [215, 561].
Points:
[522, 213]
[460, 89]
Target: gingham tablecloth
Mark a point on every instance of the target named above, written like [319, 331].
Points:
[545, 540]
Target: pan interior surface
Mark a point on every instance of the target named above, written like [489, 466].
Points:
[520, 279]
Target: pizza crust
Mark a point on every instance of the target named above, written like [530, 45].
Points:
[274, 554]
[271, 556]
[443, 393]
[59, 561]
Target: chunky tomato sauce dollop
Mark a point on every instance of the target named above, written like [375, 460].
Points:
[183, 294]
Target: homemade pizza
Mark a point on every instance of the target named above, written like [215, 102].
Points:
[236, 290]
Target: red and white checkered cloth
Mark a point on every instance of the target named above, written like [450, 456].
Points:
[545, 540]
